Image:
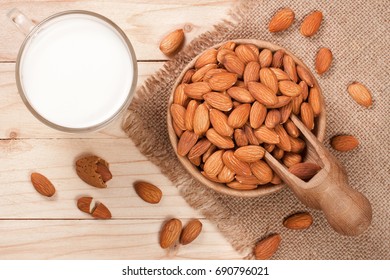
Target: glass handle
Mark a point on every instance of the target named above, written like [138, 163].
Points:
[24, 24]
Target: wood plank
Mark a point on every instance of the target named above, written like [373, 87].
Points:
[124, 239]
[145, 22]
[17, 122]
[55, 159]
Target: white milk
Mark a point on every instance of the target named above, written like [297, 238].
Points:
[77, 71]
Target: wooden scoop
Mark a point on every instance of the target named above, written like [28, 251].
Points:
[347, 210]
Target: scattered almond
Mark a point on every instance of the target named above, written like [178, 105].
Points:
[311, 24]
[148, 192]
[170, 233]
[267, 247]
[172, 42]
[190, 232]
[101, 212]
[42, 185]
[84, 204]
[323, 60]
[360, 94]
[94, 170]
[344, 143]
[281, 20]
[298, 221]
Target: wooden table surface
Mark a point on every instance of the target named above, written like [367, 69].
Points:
[36, 227]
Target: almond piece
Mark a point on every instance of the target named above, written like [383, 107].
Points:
[178, 113]
[101, 212]
[190, 232]
[267, 247]
[284, 139]
[257, 114]
[323, 60]
[190, 114]
[207, 57]
[285, 112]
[87, 169]
[148, 192]
[262, 93]
[315, 100]
[277, 59]
[262, 171]
[199, 149]
[42, 185]
[251, 72]
[344, 143]
[290, 159]
[240, 138]
[290, 88]
[281, 20]
[222, 81]
[297, 145]
[264, 134]
[278, 153]
[298, 221]
[219, 121]
[222, 52]
[218, 140]
[236, 165]
[305, 75]
[360, 94]
[311, 24]
[239, 116]
[269, 147]
[179, 97]
[276, 180]
[103, 171]
[200, 73]
[250, 135]
[291, 129]
[219, 101]
[230, 45]
[297, 101]
[209, 152]
[239, 186]
[250, 153]
[188, 76]
[172, 42]
[273, 118]
[195, 160]
[245, 53]
[214, 164]
[84, 204]
[265, 58]
[305, 90]
[186, 142]
[268, 78]
[226, 175]
[170, 233]
[197, 90]
[201, 119]
[233, 64]
[240, 94]
[254, 49]
[307, 115]
[290, 68]
[304, 170]
[280, 74]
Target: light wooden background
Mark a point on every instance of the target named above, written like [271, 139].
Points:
[35, 227]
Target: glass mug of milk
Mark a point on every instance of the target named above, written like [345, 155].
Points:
[76, 71]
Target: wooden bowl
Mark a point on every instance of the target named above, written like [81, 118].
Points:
[319, 129]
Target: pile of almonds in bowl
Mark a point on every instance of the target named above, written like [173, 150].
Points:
[231, 104]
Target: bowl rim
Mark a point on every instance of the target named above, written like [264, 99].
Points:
[193, 170]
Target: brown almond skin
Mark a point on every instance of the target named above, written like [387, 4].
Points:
[170, 233]
[87, 170]
[148, 192]
[360, 94]
[267, 247]
[186, 142]
[298, 221]
[281, 20]
[84, 204]
[101, 212]
[190, 232]
[172, 42]
[42, 184]
[344, 143]
[311, 24]
[305, 170]
[323, 60]
[104, 172]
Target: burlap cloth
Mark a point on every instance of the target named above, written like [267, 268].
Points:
[357, 32]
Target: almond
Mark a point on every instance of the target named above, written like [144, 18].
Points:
[148, 192]
[240, 138]
[254, 49]
[284, 139]
[190, 232]
[298, 221]
[218, 140]
[103, 171]
[195, 160]
[289, 88]
[201, 119]
[311, 24]
[251, 72]
[200, 73]
[290, 68]
[187, 78]
[240, 84]
[285, 112]
[219, 101]
[240, 94]
[264, 134]
[305, 75]
[297, 145]
[281, 20]
[269, 147]
[268, 78]
[170, 233]
[239, 116]
[323, 60]
[222, 52]
[250, 135]
[210, 178]
[190, 114]
[177, 130]
[291, 129]
[273, 118]
[245, 53]
[277, 59]
[305, 90]
[197, 90]
[297, 101]
[199, 149]
[282, 101]
[42, 185]
[207, 57]
[278, 153]
[88, 168]
[233, 64]
[276, 180]
[315, 100]
[222, 81]
[226, 175]
[179, 97]
[304, 170]
[178, 113]
[172, 42]
[291, 159]
[307, 115]
[209, 152]
[265, 58]
[233, 163]
[239, 186]
[262, 93]
[344, 143]
[186, 142]
[250, 153]
[230, 45]
[267, 247]
[219, 121]
[257, 114]
[280, 74]
[248, 180]
[212, 72]
[262, 171]
[360, 94]
[101, 212]
[214, 164]
[84, 204]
